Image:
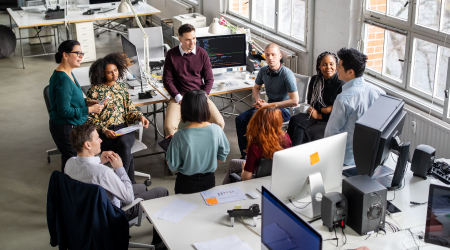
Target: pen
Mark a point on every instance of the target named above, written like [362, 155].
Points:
[119, 134]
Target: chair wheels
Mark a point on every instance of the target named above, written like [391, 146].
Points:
[148, 182]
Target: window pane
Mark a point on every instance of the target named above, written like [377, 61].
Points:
[377, 5]
[395, 51]
[444, 54]
[258, 10]
[397, 9]
[445, 26]
[269, 18]
[285, 16]
[234, 5]
[298, 30]
[244, 11]
[424, 65]
[374, 48]
[429, 12]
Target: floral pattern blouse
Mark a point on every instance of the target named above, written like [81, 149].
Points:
[118, 108]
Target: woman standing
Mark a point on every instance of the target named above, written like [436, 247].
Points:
[322, 91]
[67, 105]
[119, 111]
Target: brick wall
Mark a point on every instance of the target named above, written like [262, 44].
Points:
[244, 9]
[375, 38]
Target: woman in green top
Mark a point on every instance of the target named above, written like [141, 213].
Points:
[119, 111]
[67, 105]
[195, 150]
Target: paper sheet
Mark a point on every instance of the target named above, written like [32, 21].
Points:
[223, 195]
[175, 211]
[128, 129]
[225, 243]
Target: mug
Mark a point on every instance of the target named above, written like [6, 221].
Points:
[220, 86]
[304, 108]
[245, 76]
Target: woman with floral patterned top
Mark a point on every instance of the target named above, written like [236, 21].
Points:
[118, 112]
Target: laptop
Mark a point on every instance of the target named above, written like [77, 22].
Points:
[282, 228]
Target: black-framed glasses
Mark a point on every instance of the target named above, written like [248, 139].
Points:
[79, 54]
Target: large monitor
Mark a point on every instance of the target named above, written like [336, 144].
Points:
[133, 59]
[437, 229]
[282, 228]
[313, 168]
[227, 51]
[376, 135]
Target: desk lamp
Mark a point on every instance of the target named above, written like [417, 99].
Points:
[127, 6]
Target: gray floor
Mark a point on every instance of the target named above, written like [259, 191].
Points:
[25, 137]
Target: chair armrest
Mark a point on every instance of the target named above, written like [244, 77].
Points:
[136, 201]
[235, 178]
[293, 110]
[166, 48]
[141, 132]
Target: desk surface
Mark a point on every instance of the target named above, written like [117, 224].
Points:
[211, 222]
[38, 19]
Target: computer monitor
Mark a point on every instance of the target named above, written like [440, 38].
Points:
[315, 167]
[133, 64]
[282, 228]
[376, 135]
[225, 52]
[437, 229]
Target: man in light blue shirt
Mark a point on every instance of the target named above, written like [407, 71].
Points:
[355, 99]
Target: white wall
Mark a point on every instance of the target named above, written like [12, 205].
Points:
[211, 9]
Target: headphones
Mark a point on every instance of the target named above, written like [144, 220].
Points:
[273, 72]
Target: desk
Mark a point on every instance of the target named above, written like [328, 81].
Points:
[37, 19]
[211, 222]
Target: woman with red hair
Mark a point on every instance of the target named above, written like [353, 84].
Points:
[265, 137]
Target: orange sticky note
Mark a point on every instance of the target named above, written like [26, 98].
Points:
[212, 201]
[314, 158]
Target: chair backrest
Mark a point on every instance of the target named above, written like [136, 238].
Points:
[47, 98]
[302, 87]
[155, 42]
[264, 168]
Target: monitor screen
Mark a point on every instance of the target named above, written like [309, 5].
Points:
[133, 59]
[282, 228]
[99, 1]
[437, 229]
[225, 51]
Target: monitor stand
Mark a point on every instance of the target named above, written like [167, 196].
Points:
[381, 171]
[315, 187]
[400, 169]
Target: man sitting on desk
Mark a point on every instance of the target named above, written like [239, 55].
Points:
[89, 168]
[355, 99]
[281, 89]
[185, 67]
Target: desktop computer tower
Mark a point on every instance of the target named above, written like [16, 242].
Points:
[366, 203]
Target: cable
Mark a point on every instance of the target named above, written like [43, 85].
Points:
[417, 203]
[345, 236]
[393, 198]
[414, 238]
[379, 221]
[246, 226]
[299, 207]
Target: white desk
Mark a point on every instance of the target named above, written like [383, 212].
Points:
[211, 222]
[38, 19]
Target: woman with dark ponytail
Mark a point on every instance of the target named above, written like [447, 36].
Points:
[67, 105]
[322, 91]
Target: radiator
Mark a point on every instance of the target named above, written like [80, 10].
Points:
[169, 9]
[427, 132]
[289, 57]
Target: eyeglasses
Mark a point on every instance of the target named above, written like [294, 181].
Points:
[79, 54]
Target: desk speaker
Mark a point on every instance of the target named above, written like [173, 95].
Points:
[334, 210]
[422, 160]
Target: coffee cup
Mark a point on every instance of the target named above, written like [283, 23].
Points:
[220, 86]
[245, 76]
[304, 108]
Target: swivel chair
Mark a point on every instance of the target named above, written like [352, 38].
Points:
[264, 169]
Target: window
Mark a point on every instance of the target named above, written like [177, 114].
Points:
[407, 45]
[286, 18]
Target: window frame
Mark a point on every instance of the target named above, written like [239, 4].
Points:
[413, 30]
[274, 30]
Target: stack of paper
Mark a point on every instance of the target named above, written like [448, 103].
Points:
[225, 243]
[224, 195]
[175, 211]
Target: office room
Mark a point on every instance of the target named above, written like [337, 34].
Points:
[407, 59]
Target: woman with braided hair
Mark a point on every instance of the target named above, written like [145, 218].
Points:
[322, 91]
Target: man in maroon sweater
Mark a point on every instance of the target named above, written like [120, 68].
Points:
[185, 67]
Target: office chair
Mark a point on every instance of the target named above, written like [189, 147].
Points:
[156, 45]
[138, 145]
[264, 169]
[53, 151]
[81, 216]
[302, 88]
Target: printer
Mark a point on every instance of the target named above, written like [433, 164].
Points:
[195, 19]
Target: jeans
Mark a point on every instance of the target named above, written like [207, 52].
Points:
[241, 126]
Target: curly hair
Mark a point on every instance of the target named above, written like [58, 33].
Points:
[97, 69]
[264, 129]
[317, 92]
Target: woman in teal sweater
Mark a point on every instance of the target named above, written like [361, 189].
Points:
[67, 105]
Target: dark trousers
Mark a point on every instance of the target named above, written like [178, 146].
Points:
[188, 184]
[298, 125]
[242, 121]
[122, 146]
[140, 191]
[60, 135]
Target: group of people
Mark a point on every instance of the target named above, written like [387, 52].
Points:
[338, 96]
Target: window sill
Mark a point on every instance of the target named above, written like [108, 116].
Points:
[409, 98]
[265, 34]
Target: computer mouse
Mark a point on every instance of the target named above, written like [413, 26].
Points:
[253, 194]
